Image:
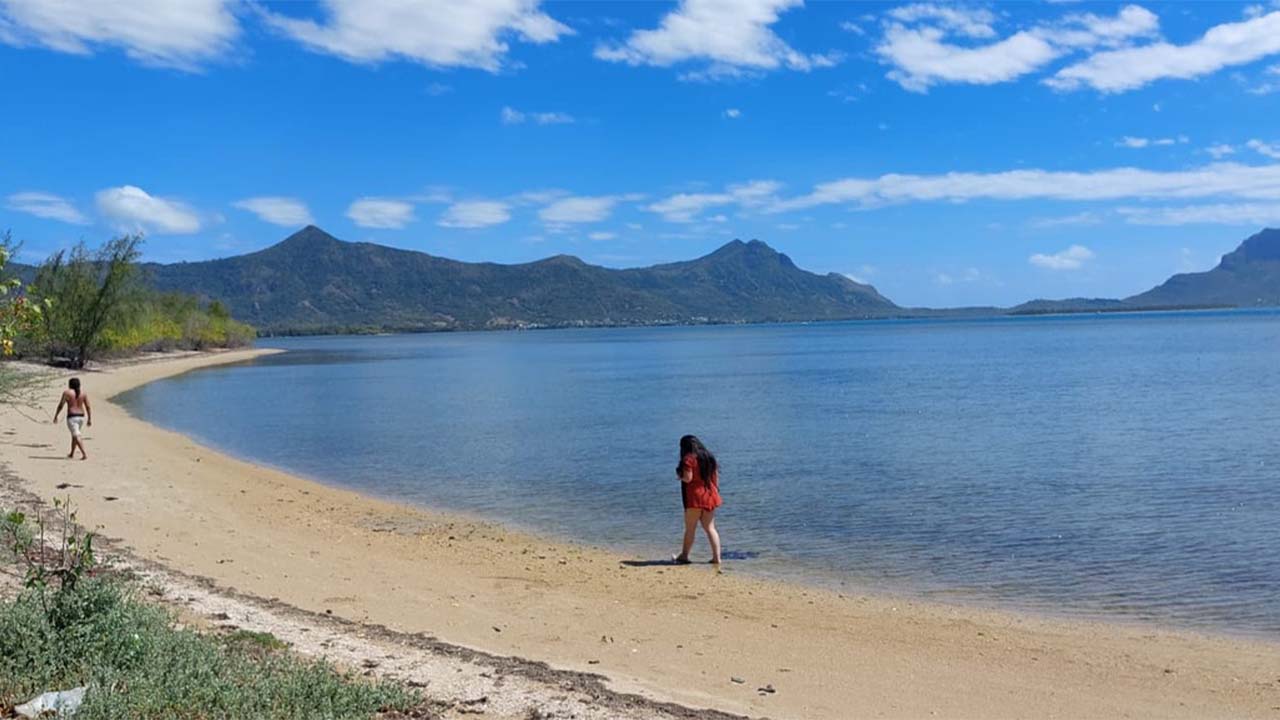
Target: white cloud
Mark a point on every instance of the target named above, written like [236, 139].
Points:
[581, 209]
[475, 214]
[852, 27]
[732, 113]
[1270, 84]
[285, 211]
[602, 236]
[733, 37]
[967, 21]
[921, 58]
[1085, 31]
[1221, 46]
[915, 43]
[46, 205]
[1219, 179]
[511, 116]
[135, 210]
[685, 207]
[538, 197]
[1267, 149]
[1220, 150]
[155, 32]
[1076, 220]
[552, 118]
[1141, 142]
[383, 213]
[438, 33]
[862, 274]
[1073, 258]
[969, 275]
[1249, 214]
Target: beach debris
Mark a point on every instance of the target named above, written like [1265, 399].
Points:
[497, 629]
[737, 680]
[593, 662]
[220, 616]
[110, 498]
[62, 703]
[766, 690]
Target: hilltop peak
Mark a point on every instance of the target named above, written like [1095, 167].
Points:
[1263, 245]
[309, 235]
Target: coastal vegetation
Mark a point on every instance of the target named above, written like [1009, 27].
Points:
[84, 304]
[74, 625]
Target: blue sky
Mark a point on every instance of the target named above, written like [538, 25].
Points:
[950, 154]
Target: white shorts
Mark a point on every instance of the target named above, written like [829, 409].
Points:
[75, 424]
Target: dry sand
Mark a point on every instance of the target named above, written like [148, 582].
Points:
[683, 635]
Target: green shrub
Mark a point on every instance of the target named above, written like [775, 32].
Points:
[69, 627]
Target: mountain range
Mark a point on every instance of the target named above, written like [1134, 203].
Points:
[313, 282]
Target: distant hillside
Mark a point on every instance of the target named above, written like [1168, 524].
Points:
[1045, 307]
[313, 282]
[1247, 277]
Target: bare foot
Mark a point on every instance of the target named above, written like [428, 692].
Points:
[680, 559]
[71, 455]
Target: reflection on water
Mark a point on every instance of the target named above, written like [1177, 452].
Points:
[1102, 465]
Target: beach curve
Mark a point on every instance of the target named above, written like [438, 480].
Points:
[680, 635]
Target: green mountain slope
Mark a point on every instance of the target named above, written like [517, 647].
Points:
[314, 282]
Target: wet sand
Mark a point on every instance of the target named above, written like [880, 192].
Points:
[686, 635]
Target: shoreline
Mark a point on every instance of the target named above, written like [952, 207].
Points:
[669, 634]
[772, 570]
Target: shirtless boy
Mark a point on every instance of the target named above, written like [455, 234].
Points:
[78, 412]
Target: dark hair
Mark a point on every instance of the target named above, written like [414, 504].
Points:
[691, 445]
[74, 384]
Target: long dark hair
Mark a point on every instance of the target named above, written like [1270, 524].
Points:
[691, 445]
[74, 384]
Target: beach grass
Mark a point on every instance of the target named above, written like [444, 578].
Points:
[138, 661]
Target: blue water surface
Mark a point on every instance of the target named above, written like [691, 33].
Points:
[1106, 465]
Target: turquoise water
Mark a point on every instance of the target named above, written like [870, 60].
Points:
[1119, 465]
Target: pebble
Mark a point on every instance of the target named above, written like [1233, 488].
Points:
[737, 680]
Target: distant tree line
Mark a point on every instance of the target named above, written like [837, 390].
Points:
[87, 304]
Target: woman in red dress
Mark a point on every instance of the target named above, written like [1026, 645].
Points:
[700, 487]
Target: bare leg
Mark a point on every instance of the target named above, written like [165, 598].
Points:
[83, 455]
[690, 531]
[709, 526]
[73, 448]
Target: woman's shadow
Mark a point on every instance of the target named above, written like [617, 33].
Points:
[668, 562]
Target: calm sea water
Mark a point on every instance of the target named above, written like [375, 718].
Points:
[1104, 465]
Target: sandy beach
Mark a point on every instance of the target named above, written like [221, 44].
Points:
[683, 635]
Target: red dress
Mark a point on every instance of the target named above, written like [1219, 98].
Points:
[697, 493]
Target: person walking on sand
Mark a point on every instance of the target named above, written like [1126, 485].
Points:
[700, 487]
[78, 412]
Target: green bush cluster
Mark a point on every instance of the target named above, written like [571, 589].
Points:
[85, 630]
[172, 321]
[85, 304]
